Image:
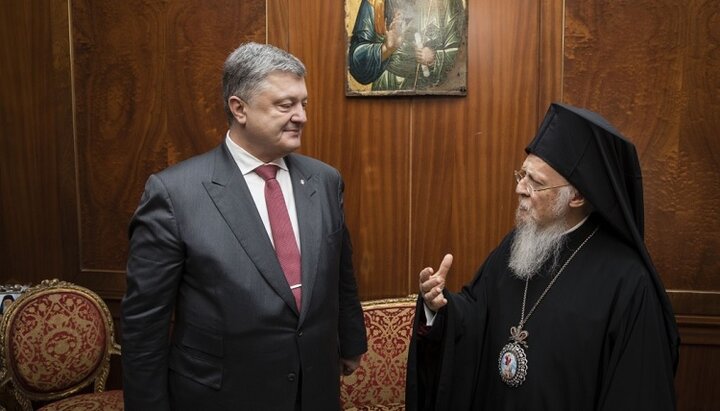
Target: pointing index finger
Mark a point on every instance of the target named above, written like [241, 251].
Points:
[445, 265]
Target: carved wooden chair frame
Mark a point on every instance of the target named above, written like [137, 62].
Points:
[8, 374]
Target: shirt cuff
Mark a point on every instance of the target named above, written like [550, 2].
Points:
[429, 315]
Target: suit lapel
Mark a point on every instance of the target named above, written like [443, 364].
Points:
[233, 200]
[309, 222]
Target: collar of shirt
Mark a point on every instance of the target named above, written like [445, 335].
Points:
[246, 161]
[577, 225]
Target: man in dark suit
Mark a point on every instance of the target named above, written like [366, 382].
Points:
[265, 304]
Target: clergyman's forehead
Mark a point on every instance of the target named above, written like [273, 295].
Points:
[537, 166]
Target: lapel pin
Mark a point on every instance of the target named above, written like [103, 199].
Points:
[302, 181]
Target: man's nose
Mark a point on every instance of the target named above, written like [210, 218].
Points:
[299, 115]
[522, 189]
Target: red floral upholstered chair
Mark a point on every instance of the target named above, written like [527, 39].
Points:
[379, 382]
[55, 340]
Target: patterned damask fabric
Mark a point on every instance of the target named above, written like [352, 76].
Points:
[101, 401]
[391, 407]
[379, 382]
[57, 340]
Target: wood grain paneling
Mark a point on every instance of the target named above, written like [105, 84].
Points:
[148, 81]
[278, 23]
[465, 149]
[196, 120]
[367, 140]
[96, 96]
[652, 69]
[37, 187]
[120, 119]
[552, 23]
[696, 384]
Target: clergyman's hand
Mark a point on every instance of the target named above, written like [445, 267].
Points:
[432, 284]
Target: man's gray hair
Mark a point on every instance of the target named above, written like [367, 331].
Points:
[247, 67]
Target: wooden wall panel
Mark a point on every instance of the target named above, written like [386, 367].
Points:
[148, 86]
[465, 149]
[696, 379]
[96, 96]
[552, 24]
[37, 188]
[146, 77]
[118, 73]
[367, 140]
[652, 69]
[200, 36]
[278, 23]
[424, 175]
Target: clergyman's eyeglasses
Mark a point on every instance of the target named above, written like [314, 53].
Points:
[530, 184]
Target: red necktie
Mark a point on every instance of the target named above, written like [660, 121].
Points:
[282, 232]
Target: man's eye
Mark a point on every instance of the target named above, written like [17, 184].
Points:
[533, 182]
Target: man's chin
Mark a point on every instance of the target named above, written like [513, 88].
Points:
[523, 217]
[291, 140]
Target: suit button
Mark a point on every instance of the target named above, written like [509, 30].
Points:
[299, 334]
[291, 377]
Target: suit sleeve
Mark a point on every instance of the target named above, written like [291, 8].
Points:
[351, 327]
[154, 269]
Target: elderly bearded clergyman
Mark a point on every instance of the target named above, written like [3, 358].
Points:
[568, 313]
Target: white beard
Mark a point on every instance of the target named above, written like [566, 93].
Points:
[534, 245]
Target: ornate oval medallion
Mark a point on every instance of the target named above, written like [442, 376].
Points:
[512, 364]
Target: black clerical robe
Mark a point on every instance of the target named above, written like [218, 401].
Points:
[596, 340]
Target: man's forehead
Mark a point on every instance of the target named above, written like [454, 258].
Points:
[537, 165]
[280, 76]
[282, 84]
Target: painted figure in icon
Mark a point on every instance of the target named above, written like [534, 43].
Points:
[405, 44]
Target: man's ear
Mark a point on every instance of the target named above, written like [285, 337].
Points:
[577, 200]
[238, 108]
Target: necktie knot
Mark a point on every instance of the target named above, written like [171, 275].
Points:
[267, 171]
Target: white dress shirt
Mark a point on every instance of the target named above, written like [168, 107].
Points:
[247, 163]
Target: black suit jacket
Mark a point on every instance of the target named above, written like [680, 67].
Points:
[199, 250]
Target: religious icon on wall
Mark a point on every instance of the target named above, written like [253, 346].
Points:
[406, 47]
